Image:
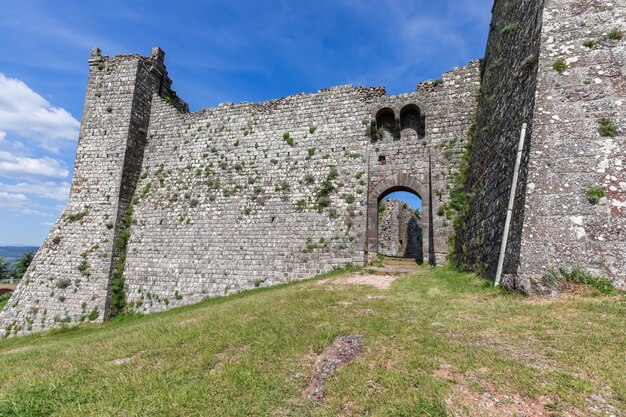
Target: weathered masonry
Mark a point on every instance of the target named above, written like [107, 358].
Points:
[169, 207]
[559, 66]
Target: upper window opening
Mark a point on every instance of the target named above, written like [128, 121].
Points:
[411, 118]
[385, 123]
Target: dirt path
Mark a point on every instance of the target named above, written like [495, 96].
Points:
[380, 277]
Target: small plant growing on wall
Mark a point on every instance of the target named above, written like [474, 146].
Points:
[94, 314]
[510, 27]
[282, 186]
[77, 217]
[559, 66]
[607, 128]
[64, 283]
[287, 138]
[591, 44]
[83, 268]
[595, 194]
[615, 35]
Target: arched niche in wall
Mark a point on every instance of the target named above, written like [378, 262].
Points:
[411, 118]
[385, 123]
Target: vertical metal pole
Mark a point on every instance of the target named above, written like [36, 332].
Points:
[509, 213]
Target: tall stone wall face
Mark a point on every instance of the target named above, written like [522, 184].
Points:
[225, 199]
[68, 281]
[248, 195]
[568, 156]
[506, 102]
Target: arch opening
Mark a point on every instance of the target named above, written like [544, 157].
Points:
[419, 193]
[400, 226]
[412, 121]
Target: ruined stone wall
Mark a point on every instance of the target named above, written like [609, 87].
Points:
[69, 278]
[505, 103]
[568, 155]
[248, 195]
[399, 231]
[170, 207]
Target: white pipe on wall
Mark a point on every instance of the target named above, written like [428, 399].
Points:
[509, 213]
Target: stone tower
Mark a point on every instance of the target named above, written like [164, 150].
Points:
[71, 276]
[558, 65]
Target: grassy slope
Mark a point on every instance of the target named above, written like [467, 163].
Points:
[253, 353]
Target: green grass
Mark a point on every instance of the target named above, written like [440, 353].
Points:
[251, 354]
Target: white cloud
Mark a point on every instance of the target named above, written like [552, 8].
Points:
[19, 203]
[47, 189]
[25, 113]
[12, 198]
[14, 166]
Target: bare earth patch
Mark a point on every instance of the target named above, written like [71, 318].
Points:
[343, 350]
[379, 277]
[382, 282]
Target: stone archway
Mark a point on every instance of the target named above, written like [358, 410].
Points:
[393, 183]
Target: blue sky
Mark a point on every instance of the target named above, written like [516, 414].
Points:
[411, 199]
[216, 51]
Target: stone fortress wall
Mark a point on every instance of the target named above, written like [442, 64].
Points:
[169, 207]
[555, 223]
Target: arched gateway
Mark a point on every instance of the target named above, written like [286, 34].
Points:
[391, 184]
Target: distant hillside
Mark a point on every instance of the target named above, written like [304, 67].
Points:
[12, 253]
